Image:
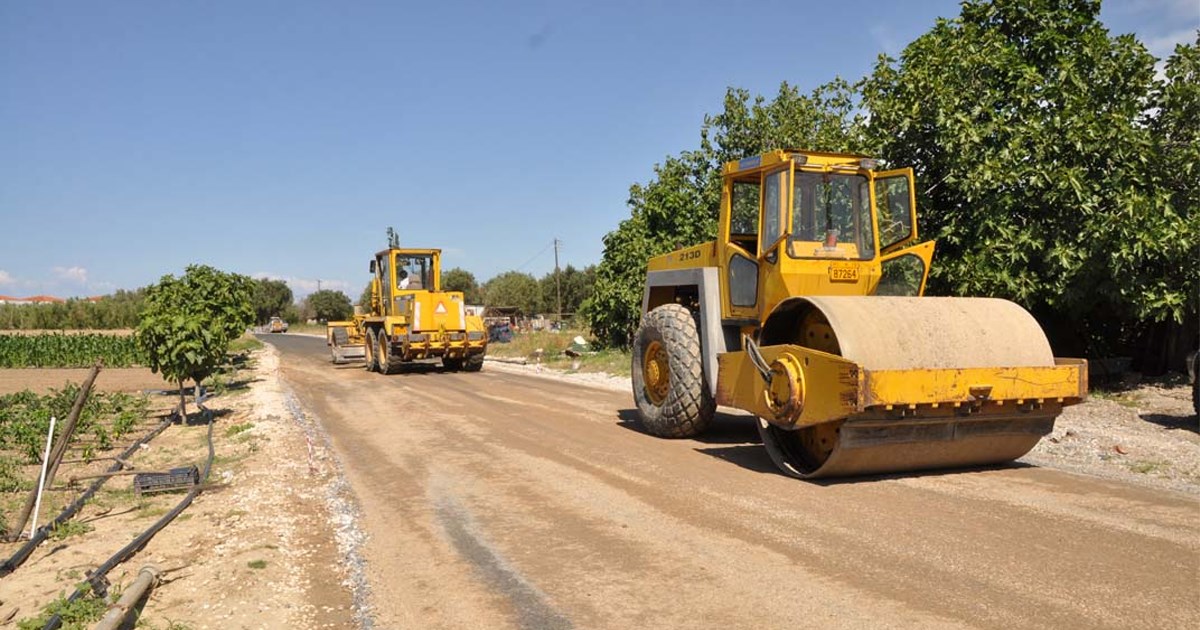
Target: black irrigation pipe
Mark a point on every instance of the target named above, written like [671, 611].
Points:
[69, 512]
[96, 580]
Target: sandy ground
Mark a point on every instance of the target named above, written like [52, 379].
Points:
[255, 550]
[503, 501]
[110, 379]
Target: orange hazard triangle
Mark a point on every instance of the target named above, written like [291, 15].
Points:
[441, 308]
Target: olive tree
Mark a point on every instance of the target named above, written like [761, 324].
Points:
[187, 323]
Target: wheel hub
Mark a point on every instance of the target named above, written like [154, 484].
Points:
[656, 372]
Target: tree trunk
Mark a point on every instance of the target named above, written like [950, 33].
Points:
[182, 403]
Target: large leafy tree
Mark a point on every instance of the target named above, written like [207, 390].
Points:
[1028, 126]
[271, 298]
[457, 279]
[328, 305]
[575, 285]
[678, 207]
[187, 323]
[513, 289]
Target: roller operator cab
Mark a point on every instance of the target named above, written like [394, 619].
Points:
[410, 318]
[807, 312]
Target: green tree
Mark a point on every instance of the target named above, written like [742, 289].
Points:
[364, 299]
[328, 305]
[678, 207]
[513, 288]
[271, 298]
[188, 323]
[1027, 124]
[575, 285]
[457, 279]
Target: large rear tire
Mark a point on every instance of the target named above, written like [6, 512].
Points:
[669, 387]
[389, 362]
[452, 364]
[372, 351]
[474, 363]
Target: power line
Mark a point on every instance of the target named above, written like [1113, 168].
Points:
[535, 256]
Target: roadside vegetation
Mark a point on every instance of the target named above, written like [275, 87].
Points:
[549, 349]
[25, 419]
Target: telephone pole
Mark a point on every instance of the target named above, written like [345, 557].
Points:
[557, 281]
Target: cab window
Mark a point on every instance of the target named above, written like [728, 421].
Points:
[773, 209]
[831, 217]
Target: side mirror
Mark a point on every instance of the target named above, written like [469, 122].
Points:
[372, 266]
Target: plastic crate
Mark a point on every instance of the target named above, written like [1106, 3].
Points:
[174, 479]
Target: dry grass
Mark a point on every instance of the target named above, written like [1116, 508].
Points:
[552, 345]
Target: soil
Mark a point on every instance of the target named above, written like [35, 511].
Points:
[110, 379]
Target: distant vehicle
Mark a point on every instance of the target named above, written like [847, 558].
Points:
[277, 325]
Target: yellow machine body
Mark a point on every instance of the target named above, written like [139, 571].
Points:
[410, 318]
[809, 315]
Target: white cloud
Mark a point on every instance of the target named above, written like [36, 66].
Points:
[303, 286]
[1163, 46]
[73, 274]
[6, 278]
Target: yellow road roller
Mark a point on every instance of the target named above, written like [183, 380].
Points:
[807, 311]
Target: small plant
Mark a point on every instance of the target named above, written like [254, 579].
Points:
[10, 475]
[1143, 467]
[68, 529]
[77, 615]
[235, 429]
[257, 564]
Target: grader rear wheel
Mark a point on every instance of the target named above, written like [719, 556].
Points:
[474, 363]
[389, 361]
[372, 351]
[452, 364]
[672, 396]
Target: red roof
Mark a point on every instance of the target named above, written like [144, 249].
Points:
[44, 298]
[6, 298]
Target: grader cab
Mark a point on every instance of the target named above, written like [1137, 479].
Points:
[807, 312]
[410, 318]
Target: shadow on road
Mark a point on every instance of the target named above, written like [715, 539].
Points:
[725, 428]
[1189, 422]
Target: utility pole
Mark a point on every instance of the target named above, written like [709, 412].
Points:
[557, 281]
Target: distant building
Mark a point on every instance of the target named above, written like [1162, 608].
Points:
[35, 299]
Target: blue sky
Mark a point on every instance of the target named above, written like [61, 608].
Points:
[283, 138]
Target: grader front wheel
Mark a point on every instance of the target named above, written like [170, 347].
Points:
[672, 396]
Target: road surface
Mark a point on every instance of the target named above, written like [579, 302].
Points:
[500, 500]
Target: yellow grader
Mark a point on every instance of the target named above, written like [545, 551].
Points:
[807, 312]
[410, 318]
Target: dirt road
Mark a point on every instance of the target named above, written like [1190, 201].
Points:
[495, 500]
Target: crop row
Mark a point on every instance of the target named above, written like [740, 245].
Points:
[59, 350]
[25, 418]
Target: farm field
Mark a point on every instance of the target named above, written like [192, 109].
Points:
[243, 529]
[111, 379]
